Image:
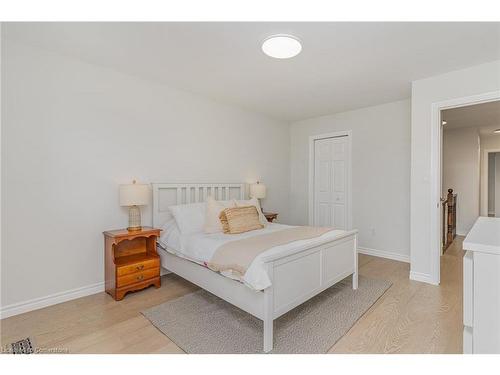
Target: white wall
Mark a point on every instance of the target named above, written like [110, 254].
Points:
[497, 184]
[491, 183]
[488, 143]
[461, 173]
[462, 83]
[71, 132]
[381, 176]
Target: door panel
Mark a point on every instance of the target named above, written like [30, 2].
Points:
[324, 177]
[325, 216]
[330, 182]
[339, 216]
[338, 148]
[339, 176]
[323, 182]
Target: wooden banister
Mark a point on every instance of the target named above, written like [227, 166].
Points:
[449, 229]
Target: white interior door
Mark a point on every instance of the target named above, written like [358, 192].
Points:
[330, 182]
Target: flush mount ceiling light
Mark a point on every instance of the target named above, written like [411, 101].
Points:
[443, 123]
[496, 131]
[282, 46]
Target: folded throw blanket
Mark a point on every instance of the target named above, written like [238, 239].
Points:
[237, 255]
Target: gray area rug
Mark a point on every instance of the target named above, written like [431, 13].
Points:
[200, 322]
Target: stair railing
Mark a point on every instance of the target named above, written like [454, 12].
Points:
[449, 227]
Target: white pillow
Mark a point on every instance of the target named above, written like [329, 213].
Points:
[189, 217]
[253, 202]
[171, 235]
[214, 208]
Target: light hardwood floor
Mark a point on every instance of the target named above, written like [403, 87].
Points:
[411, 317]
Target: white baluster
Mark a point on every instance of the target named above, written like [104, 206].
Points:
[197, 193]
[179, 195]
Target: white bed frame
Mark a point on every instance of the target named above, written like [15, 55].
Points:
[295, 278]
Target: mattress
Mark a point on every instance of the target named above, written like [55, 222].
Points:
[200, 247]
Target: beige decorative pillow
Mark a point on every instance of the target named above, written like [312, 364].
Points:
[253, 202]
[223, 222]
[240, 219]
[213, 210]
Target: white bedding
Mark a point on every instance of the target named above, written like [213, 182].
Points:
[200, 247]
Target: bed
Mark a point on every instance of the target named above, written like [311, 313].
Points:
[279, 279]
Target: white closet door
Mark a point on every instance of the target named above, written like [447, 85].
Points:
[330, 182]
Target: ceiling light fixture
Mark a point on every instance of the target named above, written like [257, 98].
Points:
[443, 122]
[496, 131]
[282, 46]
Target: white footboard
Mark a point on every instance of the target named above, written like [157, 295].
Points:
[297, 278]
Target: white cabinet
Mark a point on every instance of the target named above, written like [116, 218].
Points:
[481, 295]
[468, 288]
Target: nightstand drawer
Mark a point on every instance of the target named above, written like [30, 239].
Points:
[137, 277]
[137, 267]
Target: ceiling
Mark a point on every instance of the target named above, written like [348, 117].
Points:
[485, 116]
[342, 66]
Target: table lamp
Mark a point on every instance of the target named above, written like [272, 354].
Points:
[258, 191]
[134, 195]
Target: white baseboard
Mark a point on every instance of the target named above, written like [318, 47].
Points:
[164, 271]
[422, 277]
[53, 299]
[384, 254]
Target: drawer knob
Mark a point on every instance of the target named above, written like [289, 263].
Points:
[140, 277]
[140, 267]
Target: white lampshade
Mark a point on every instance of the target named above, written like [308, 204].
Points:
[257, 190]
[134, 195]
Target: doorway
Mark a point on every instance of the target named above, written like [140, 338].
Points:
[469, 133]
[330, 180]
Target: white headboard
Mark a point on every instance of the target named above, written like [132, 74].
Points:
[165, 195]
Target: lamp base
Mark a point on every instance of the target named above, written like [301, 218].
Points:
[134, 218]
[134, 229]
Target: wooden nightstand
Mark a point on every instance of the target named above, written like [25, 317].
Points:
[131, 261]
[270, 216]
